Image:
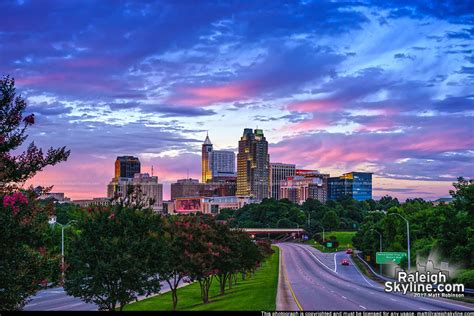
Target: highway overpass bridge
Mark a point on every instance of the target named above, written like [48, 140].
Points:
[260, 231]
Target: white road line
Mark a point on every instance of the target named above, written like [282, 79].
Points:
[362, 307]
[318, 259]
[361, 274]
[344, 297]
[393, 299]
[332, 291]
[65, 307]
[335, 264]
[62, 298]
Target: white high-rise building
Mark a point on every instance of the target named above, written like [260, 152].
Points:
[223, 164]
[278, 172]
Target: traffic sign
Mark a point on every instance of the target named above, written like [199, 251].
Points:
[390, 257]
[329, 244]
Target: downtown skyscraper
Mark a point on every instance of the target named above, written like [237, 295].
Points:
[253, 165]
[206, 160]
[126, 167]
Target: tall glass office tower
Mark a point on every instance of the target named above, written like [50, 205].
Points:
[253, 165]
[357, 185]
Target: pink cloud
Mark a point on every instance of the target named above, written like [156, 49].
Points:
[209, 95]
[308, 125]
[314, 106]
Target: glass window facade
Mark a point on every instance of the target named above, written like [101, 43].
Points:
[357, 185]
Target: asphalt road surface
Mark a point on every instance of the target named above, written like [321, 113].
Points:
[320, 282]
[56, 299]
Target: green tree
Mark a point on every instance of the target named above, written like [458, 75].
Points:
[463, 194]
[15, 170]
[115, 257]
[331, 221]
[200, 251]
[24, 257]
[176, 266]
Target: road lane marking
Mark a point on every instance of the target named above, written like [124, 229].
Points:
[362, 307]
[288, 282]
[344, 297]
[64, 307]
[393, 299]
[361, 274]
[335, 264]
[318, 259]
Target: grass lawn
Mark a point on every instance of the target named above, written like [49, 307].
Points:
[344, 238]
[255, 293]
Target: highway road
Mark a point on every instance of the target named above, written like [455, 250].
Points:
[56, 299]
[320, 282]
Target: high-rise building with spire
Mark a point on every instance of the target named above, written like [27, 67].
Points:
[206, 160]
[217, 165]
[253, 165]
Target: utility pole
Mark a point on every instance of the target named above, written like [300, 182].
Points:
[408, 238]
[380, 236]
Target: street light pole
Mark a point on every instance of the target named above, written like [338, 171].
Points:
[53, 222]
[62, 254]
[380, 235]
[408, 238]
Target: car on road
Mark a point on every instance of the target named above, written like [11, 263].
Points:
[349, 251]
[345, 262]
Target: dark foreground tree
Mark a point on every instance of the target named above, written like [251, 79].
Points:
[23, 257]
[201, 251]
[23, 222]
[175, 266]
[115, 257]
[15, 170]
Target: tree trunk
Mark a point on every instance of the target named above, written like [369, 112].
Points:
[174, 295]
[235, 278]
[174, 290]
[222, 280]
[230, 281]
[243, 276]
[205, 284]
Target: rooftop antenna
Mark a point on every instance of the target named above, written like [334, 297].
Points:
[152, 170]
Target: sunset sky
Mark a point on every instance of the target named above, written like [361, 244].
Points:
[379, 86]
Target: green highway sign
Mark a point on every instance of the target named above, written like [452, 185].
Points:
[329, 244]
[388, 257]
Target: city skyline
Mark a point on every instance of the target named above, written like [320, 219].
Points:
[335, 86]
